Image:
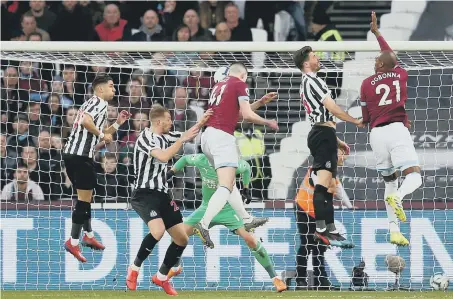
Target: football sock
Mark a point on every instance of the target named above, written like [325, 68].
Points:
[172, 258]
[215, 205]
[320, 197]
[79, 215]
[235, 200]
[263, 258]
[391, 188]
[146, 248]
[87, 223]
[330, 213]
[411, 183]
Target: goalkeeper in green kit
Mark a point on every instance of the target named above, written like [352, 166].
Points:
[227, 216]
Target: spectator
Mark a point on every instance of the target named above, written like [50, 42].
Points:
[197, 33]
[111, 184]
[150, 30]
[170, 19]
[28, 25]
[139, 122]
[37, 170]
[21, 138]
[35, 37]
[240, 31]
[73, 89]
[6, 163]
[13, 100]
[162, 84]
[211, 13]
[44, 17]
[222, 32]
[56, 142]
[198, 85]
[296, 10]
[57, 88]
[264, 10]
[135, 100]
[113, 28]
[48, 156]
[182, 34]
[55, 112]
[68, 122]
[30, 80]
[183, 118]
[9, 19]
[36, 121]
[95, 10]
[22, 189]
[250, 142]
[324, 30]
[73, 23]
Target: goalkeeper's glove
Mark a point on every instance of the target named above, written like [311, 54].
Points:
[246, 195]
[170, 174]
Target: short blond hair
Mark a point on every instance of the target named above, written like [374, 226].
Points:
[157, 111]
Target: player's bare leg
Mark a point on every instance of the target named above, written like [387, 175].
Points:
[81, 217]
[227, 176]
[156, 231]
[172, 257]
[391, 187]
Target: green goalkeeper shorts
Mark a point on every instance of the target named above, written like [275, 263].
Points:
[226, 217]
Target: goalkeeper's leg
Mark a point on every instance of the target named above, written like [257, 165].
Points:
[391, 187]
[260, 254]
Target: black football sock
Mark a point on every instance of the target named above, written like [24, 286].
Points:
[172, 257]
[78, 217]
[320, 196]
[146, 248]
[330, 214]
[87, 223]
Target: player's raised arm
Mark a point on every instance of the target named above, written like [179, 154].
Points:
[336, 110]
[263, 101]
[250, 116]
[374, 28]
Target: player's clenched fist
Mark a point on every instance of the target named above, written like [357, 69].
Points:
[359, 123]
[107, 138]
[190, 134]
[123, 116]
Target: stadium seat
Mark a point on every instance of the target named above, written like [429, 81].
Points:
[294, 145]
[392, 34]
[212, 30]
[259, 35]
[301, 129]
[134, 31]
[283, 22]
[354, 72]
[400, 20]
[405, 6]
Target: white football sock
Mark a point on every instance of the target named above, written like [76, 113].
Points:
[411, 183]
[74, 242]
[161, 276]
[235, 200]
[391, 188]
[135, 268]
[215, 205]
[89, 234]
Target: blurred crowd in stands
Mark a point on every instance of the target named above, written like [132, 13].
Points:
[39, 101]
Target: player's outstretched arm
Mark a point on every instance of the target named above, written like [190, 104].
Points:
[340, 113]
[164, 155]
[263, 101]
[250, 116]
[374, 28]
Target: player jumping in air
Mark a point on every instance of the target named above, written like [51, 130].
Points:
[323, 143]
[229, 99]
[155, 146]
[382, 97]
[78, 159]
[227, 216]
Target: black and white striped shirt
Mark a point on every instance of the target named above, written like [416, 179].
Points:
[314, 91]
[80, 141]
[151, 173]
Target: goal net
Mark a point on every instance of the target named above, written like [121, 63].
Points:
[44, 83]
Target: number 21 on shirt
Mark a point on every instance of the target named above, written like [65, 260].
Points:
[386, 89]
[216, 95]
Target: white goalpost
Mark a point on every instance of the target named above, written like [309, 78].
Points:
[33, 230]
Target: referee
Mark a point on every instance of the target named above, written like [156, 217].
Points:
[153, 149]
[78, 159]
[323, 143]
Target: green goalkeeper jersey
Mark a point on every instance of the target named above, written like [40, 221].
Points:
[208, 174]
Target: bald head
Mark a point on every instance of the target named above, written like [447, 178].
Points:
[387, 60]
[238, 70]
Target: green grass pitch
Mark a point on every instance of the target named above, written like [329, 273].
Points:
[222, 294]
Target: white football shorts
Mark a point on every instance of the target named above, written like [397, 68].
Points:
[393, 148]
[220, 148]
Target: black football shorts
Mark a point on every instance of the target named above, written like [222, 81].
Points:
[81, 171]
[323, 144]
